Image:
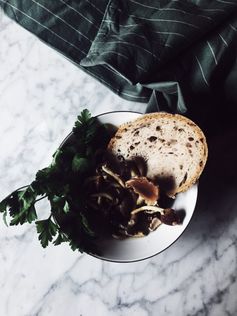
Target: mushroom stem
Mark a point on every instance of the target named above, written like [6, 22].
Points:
[148, 208]
[102, 194]
[113, 175]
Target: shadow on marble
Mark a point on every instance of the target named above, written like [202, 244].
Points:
[217, 197]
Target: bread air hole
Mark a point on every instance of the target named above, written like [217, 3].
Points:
[171, 142]
[162, 140]
[152, 138]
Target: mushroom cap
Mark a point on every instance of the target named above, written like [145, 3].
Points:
[145, 189]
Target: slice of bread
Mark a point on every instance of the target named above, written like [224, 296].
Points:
[173, 146]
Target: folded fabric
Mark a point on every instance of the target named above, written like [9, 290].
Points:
[175, 55]
[138, 39]
[70, 26]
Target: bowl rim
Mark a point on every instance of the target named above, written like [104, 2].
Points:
[155, 254]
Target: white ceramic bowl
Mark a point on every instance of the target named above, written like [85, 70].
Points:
[135, 249]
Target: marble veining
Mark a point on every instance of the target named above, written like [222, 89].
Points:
[41, 93]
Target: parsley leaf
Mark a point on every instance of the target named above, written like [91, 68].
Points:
[4, 208]
[73, 245]
[21, 206]
[46, 229]
[59, 204]
[66, 207]
[5, 218]
[84, 117]
[80, 164]
[61, 237]
[4, 204]
[61, 183]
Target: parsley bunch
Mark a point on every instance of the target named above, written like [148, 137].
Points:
[62, 184]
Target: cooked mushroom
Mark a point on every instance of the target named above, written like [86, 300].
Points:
[134, 172]
[93, 182]
[170, 217]
[155, 223]
[138, 234]
[126, 199]
[148, 209]
[102, 194]
[141, 224]
[145, 189]
[113, 175]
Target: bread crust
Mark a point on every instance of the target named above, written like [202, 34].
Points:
[150, 118]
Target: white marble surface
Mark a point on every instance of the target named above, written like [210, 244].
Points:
[41, 94]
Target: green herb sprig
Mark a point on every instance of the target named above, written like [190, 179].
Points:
[61, 183]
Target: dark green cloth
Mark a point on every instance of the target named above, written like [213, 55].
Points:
[176, 55]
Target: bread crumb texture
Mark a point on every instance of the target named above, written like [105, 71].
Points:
[173, 146]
